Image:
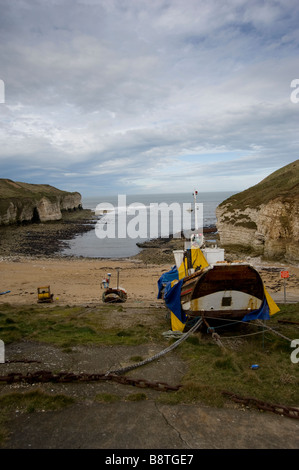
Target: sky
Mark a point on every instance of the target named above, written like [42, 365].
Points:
[138, 96]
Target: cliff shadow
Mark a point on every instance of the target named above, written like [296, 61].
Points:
[35, 216]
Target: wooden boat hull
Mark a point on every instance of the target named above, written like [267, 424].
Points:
[223, 290]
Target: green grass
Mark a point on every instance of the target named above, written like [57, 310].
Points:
[107, 398]
[68, 326]
[136, 396]
[34, 401]
[112, 398]
[209, 369]
[212, 369]
[12, 189]
[282, 183]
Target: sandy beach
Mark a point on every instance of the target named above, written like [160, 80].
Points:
[79, 281]
[30, 257]
[76, 281]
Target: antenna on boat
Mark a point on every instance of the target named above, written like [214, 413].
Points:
[197, 238]
[195, 210]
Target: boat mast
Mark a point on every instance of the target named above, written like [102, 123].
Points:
[197, 237]
[195, 212]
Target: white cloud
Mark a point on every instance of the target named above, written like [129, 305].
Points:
[148, 94]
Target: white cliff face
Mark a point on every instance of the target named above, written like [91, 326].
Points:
[9, 214]
[271, 229]
[48, 210]
[70, 201]
[45, 209]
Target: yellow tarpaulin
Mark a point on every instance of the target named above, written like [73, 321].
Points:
[197, 260]
[273, 308]
[176, 324]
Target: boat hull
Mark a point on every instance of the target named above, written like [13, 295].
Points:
[223, 290]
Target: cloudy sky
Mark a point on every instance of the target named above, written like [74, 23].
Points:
[139, 96]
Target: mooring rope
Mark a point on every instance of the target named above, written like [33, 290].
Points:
[156, 356]
[274, 331]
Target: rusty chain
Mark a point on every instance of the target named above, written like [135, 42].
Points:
[115, 375]
[288, 411]
[43, 376]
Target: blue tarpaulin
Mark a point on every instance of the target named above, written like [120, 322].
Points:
[167, 277]
[172, 297]
[263, 313]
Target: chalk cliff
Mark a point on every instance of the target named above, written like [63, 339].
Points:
[24, 202]
[264, 219]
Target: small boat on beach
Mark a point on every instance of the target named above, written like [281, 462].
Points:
[113, 294]
[202, 284]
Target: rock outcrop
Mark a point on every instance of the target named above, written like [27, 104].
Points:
[264, 219]
[23, 202]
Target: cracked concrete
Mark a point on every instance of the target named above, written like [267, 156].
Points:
[145, 425]
[126, 424]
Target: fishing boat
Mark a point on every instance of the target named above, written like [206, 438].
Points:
[230, 290]
[203, 284]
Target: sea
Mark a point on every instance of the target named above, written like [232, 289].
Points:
[125, 220]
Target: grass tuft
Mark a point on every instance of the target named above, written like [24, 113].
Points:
[28, 402]
[107, 398]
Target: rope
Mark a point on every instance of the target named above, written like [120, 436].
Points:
[192, 321]
[242, 336]
[226, 324]
[259, 324]
[274, 331]
[227, 319]
[156, 356]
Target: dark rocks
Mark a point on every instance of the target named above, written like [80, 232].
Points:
[44, 239]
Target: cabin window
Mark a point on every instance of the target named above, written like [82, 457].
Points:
[226, 301]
